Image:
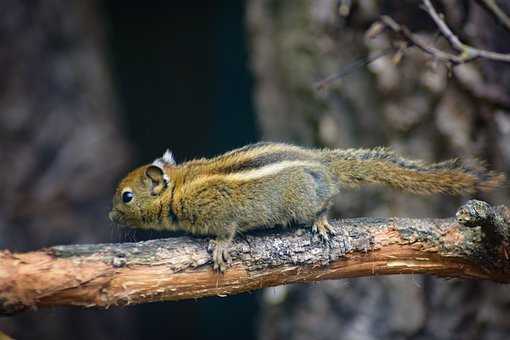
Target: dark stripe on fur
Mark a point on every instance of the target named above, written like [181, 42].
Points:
[263, 160]
[172, 217]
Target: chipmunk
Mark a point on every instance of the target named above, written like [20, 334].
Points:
[272, 184]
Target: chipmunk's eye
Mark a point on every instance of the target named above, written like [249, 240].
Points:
[127, 196]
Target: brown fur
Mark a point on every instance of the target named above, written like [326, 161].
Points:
[270, 184]
[356, 166]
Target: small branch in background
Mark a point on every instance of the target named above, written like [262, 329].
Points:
[414, 40]
[465, 54]
[492, 7]
[346, 70]
[103, 275]
[443, 27]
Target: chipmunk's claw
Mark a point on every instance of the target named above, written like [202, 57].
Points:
[220, 254]
[323, 228]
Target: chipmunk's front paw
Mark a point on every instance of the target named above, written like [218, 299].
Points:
[322, 227]
[220, 254]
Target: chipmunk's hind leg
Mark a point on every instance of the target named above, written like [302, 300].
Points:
[325, 189]
[322, 226]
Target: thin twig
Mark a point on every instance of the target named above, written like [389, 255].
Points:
[443, 27]
[324, 83]
[496, 11]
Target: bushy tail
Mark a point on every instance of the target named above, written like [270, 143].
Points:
[357, 166]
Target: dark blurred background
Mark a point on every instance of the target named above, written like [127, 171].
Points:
[181, 72]
[90, 89]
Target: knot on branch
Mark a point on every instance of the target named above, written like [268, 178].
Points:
[495, 221]
[495, 224]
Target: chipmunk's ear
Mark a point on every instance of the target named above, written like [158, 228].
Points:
[166, 159]
[157, 178]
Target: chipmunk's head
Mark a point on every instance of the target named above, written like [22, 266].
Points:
[137, 199]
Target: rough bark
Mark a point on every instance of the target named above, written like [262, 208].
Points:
[105, 275]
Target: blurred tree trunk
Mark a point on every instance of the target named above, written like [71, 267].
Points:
[417, 108]
[62, 146]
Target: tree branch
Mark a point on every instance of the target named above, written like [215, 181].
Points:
[105, 275]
